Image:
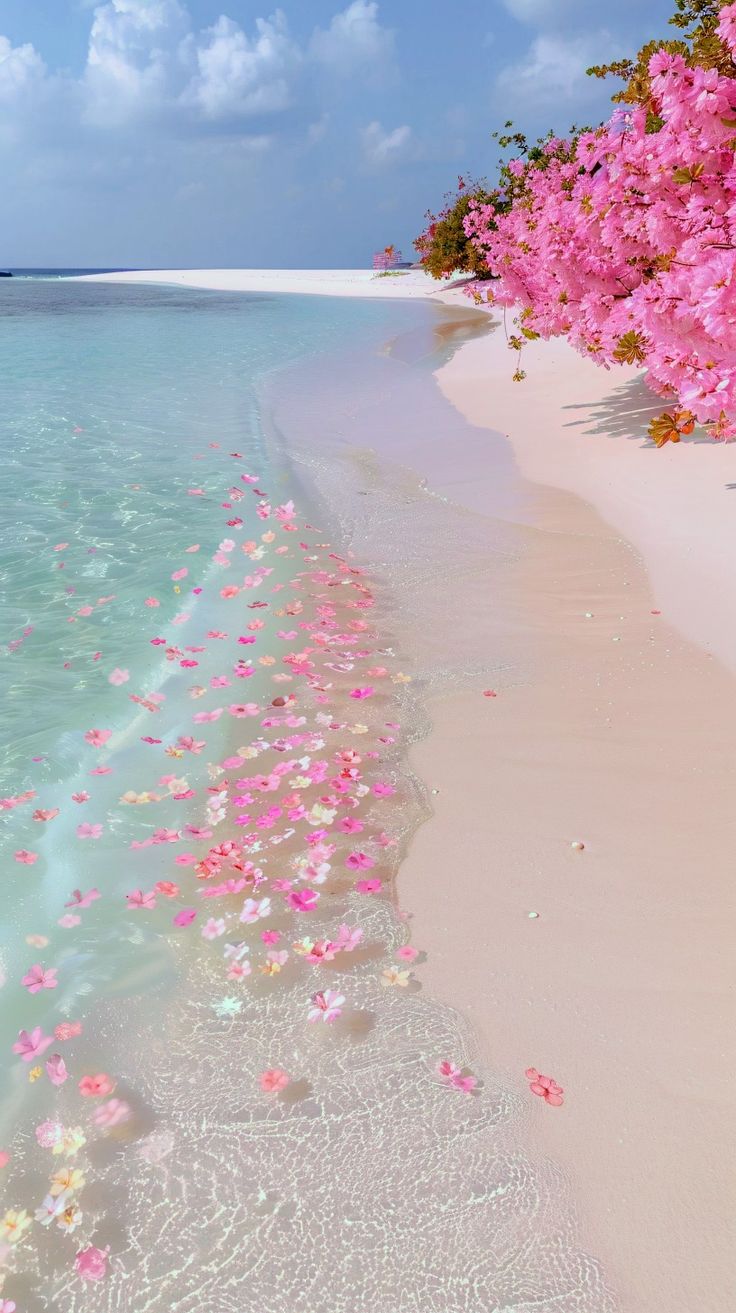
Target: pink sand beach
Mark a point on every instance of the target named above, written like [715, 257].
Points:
[572, 890]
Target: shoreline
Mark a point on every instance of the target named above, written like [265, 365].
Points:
[619, 736]
[571, 425]
[582, 429]
[410, 284]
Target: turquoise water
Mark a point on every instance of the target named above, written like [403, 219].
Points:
[117, 406]
[139, 489]
[107, 393]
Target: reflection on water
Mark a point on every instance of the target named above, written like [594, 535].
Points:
[443, 331]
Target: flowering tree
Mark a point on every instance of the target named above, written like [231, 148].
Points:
[623, 238]
[444, 247]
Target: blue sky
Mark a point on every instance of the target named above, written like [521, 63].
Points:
[224, 132]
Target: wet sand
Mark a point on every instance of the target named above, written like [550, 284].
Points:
[621, 987]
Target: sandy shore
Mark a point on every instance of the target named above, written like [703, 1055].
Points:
[580, 428]
[401, 284]
[621, 737]
[620, 988]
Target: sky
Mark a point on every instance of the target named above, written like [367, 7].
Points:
[223, 133]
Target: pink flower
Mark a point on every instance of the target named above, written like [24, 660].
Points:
[97, 738]
[277, 957]
[368, 886]
[88, 831]
[208, 717]
[7, 1305]
[347, 940]
[545, 1087]
[38, 977]
[152, 601]
[238, 970]
[407, 953]
[622, 198]
[322, 951]
[270, 936]
[31, 1044]
[23, 855]
[143, 900]
[113, 1113]
[96, 1087]
[49, 1134]
[166, 888]
[4, 1158]
[91, 1263]
[727, 27]
[45, 813]
[67, 1030]
[359, 862]
[382, 789]
[78, 899]
[326, 1005]
[56, 1069]
[212, 929]
[80, 797]
[359, 693]
[302, 900]
[348, 825]
[274, 1080]
[255, 910]
[452, 1075]
[185, 916]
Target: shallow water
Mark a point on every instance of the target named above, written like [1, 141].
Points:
[368, 1182]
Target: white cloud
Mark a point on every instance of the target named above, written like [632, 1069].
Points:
[20, 68]
[552, 73]
[381, 147]
[146, 62]
[354, 38]
[239, 75]
[144, 59]
[132, 45]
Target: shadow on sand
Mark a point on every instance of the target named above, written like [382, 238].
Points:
[625, 413]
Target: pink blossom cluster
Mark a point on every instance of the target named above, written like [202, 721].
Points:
[624, 240]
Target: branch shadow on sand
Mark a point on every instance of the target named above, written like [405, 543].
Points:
[625, 413]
